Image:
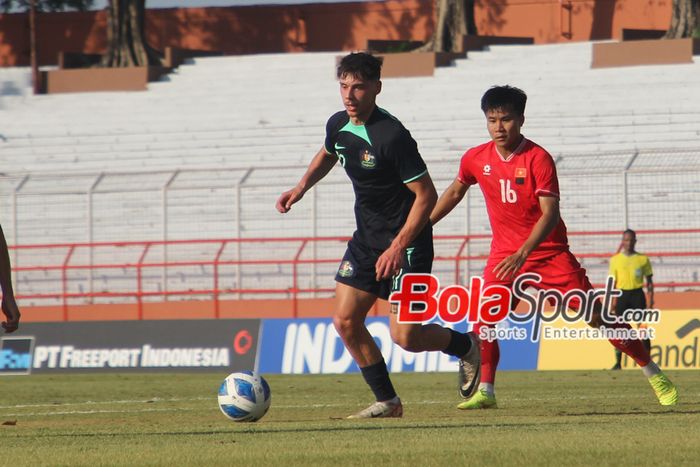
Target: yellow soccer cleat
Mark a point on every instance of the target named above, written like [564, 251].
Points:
[665, 390]
[480, 400]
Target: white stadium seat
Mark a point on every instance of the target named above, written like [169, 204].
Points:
[223, 127]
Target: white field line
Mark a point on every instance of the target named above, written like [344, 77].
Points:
[67, 404]
[185, 399]
[90, 412]
[180, 409]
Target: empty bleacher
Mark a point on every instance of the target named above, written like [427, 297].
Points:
[205, 152]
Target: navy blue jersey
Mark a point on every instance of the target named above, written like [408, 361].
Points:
[380, 157]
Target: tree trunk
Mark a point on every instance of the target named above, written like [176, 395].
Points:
[455, 19]
[684, 19]
[33, 61]
[126, 42]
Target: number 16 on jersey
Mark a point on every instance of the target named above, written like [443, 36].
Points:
[508, 195]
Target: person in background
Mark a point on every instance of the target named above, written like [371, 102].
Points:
[631, 269]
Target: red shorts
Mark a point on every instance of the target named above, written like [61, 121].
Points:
[560, 272]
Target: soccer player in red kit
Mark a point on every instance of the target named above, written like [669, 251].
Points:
[519, 181]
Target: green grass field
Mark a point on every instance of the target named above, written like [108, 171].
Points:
[544, 418]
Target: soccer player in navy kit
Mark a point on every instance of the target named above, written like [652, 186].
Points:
[394, 196]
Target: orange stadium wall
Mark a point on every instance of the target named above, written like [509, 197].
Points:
[328, 27]
[283, 308]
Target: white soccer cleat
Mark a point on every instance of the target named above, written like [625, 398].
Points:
[470, 368]
[385, 409]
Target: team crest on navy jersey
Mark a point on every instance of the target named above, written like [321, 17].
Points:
[346, 269]
[367, 159]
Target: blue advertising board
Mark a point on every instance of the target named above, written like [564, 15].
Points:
[313, 346]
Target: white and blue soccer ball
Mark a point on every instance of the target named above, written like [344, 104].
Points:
[244, 396]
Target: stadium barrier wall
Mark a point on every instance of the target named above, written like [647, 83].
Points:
[187, 310]
[71, 275]
[102, 79]
[642, 52]
[127, 346]
[306, 346]
[251, 309]
[80, 72]
[327, 27]
[407, 64]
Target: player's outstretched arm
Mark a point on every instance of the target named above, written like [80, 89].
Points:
[391, 260]
[449, 199]
[320, 165]
[9, 305]
[509, 267]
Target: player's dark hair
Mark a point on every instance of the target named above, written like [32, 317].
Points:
[361, 65]
[631, 232]
[504, 97]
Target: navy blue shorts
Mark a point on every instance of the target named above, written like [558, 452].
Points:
[357, 269]
[631, 300]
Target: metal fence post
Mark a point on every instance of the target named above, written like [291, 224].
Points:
[15, 228]
[625, 205]
[238, 227]
[314, 244]
[91, 233]
[164, 273]
[625, 192]
[64, 281]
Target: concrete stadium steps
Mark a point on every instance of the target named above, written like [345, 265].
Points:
[216, 117]
[197, 111]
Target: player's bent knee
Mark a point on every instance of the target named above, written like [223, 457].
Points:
[346, 326]
[408, 341]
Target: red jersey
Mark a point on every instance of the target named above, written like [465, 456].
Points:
[511, 188]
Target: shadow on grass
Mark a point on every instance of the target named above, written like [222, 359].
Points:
[668, 411]
[351, 427]
[340, 425]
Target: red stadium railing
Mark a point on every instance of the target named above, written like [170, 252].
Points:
[216, 262]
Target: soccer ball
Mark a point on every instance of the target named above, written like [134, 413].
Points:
[244, 396]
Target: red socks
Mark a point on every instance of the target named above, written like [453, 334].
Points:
[634, 348]
[490, 355]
